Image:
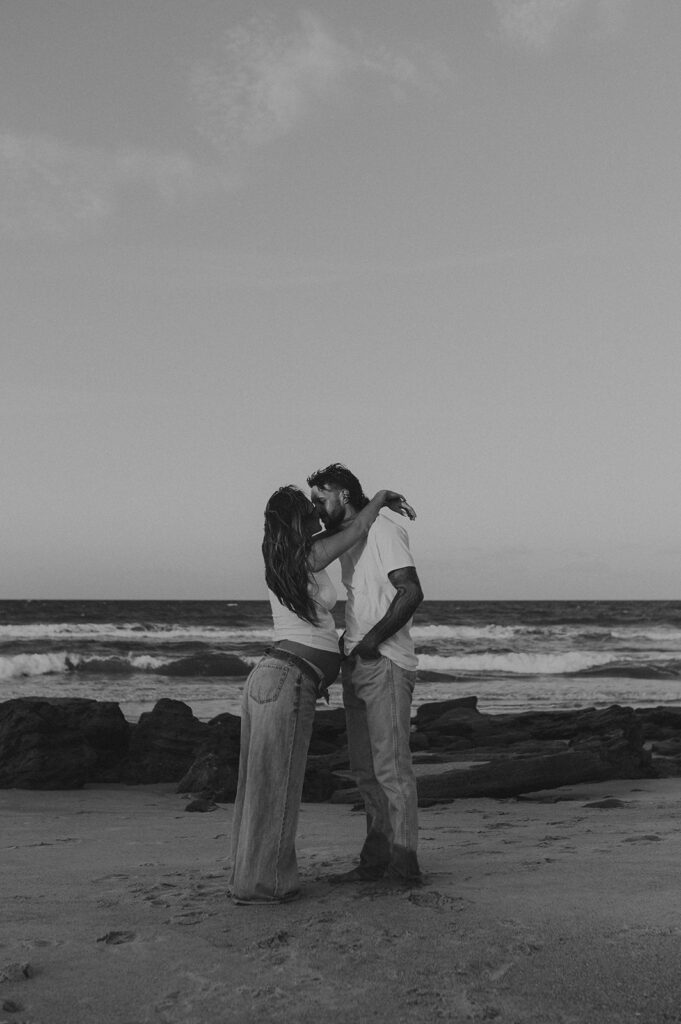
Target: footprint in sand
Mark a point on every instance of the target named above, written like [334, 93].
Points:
[115, 938]
[107, 902]
[190, 917]
[40, 943]
[280, 938]
[160, 895]
[436, 900]
[16, 972]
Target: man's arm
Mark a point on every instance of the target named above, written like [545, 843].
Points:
[408, 596]
[327, 547]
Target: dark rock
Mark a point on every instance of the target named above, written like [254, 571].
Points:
[659, 723]
[60, 742]
[105, 729]
[327, 751]
[202, 805]
[549, 725]
[667, 767]
[427, 713]
[328, 731]
[215, 767]
[320, 747]
[662, 730]
[667, 748]
[42, 746]
[212, 775]
[616, 736]
[163, 744]
[65, 743]
[223, 736]
[459, 720]
[320, 783]
[608, 745]
[419, 741]
[564, 749]
[453, 747]
[429, 757]
[508, 777]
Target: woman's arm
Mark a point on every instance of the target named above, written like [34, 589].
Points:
[330, 546]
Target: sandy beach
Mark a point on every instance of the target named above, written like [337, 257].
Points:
[542, 910]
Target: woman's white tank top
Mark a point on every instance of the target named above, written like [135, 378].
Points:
[289, 626]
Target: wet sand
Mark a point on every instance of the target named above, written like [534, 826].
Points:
[542, 910]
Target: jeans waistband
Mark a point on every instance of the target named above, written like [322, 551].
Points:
[309, 670]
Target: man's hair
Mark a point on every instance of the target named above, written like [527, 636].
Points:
[285, 548]
[337, 475]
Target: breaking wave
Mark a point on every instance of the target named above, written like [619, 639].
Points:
[157, 632]
[572, 663]
[62, 662]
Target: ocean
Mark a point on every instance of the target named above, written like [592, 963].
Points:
[513, 655]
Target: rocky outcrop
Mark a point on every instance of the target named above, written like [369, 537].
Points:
[211, 778]
[60, 743]
[328, 733]
[662, 733]
[213, 773]
[105, 730]
[506, 755]
[163, 744]
[66, 743]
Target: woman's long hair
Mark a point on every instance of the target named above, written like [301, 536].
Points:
[285, 548]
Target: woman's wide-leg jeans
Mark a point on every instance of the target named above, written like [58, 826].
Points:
[277, 715]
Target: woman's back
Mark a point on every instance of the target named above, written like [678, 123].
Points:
[289, 626]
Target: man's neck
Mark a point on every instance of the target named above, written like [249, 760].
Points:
[350, 516]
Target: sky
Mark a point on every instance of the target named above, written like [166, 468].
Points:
[438, 242]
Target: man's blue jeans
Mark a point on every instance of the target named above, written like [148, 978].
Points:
[277, 715]
[377, 698]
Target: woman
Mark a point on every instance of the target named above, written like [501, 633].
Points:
[279, 698]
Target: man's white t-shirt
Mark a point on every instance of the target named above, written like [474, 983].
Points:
[365, 569]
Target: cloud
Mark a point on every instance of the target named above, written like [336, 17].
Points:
[265, 83]
[51, 187]
[536, 23]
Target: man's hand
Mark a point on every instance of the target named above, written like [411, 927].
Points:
[398, 503]
[366, 650]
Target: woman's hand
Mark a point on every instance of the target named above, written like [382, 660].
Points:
[398, 503]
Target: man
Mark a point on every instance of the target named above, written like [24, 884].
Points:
[378, 672]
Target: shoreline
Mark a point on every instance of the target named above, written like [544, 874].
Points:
[559, 906]
[205, 708]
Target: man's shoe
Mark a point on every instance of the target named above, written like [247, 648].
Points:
[358, 874]
[412, 882]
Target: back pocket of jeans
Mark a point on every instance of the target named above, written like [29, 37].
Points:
[267, 681]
